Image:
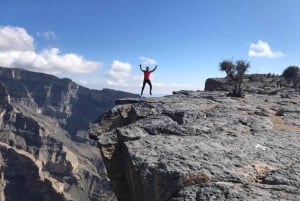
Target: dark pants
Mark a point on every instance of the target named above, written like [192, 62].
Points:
[144, 83]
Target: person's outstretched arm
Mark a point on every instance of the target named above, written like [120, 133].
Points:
[141, 68]
[154, 69]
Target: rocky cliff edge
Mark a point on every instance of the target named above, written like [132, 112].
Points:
[194, 146]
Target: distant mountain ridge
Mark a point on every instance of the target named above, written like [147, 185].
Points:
[73, 105]
[45, 153]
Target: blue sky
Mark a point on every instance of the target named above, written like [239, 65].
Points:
[100, 43]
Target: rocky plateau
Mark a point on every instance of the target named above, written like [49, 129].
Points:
[204, 145]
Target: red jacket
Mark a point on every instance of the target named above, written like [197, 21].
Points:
[147, 75]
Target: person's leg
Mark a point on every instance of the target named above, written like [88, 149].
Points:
[144, 83]
[149, 82]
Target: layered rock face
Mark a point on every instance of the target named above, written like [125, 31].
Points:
[45, 153]
[72, 105]
[196, 146]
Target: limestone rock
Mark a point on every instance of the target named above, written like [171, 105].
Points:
[194, 146]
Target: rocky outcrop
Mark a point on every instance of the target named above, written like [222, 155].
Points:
[194, 146]
[253, 83]
[45, 153]
[217, 84]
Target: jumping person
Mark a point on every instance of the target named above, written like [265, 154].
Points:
[147, 74]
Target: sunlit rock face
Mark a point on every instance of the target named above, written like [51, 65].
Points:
[194, 146]
[45, 152]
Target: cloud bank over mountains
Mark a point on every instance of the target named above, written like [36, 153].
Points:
[17, 49]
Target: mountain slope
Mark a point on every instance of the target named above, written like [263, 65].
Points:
[72, 105]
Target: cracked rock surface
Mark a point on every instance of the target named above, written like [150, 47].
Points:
[193, 146]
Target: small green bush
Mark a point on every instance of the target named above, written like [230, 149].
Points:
[235, 73]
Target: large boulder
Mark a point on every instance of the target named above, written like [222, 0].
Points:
[217, 84]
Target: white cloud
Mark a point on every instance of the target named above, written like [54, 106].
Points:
[15, 38]
[17, 50]
[119, 73]
[147, 61]
[262, 49]
[47, 35]
[83, 82]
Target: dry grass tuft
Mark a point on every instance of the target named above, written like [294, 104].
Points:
[280, 125]
[262, 171]
[207, 107]
[198, 178]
